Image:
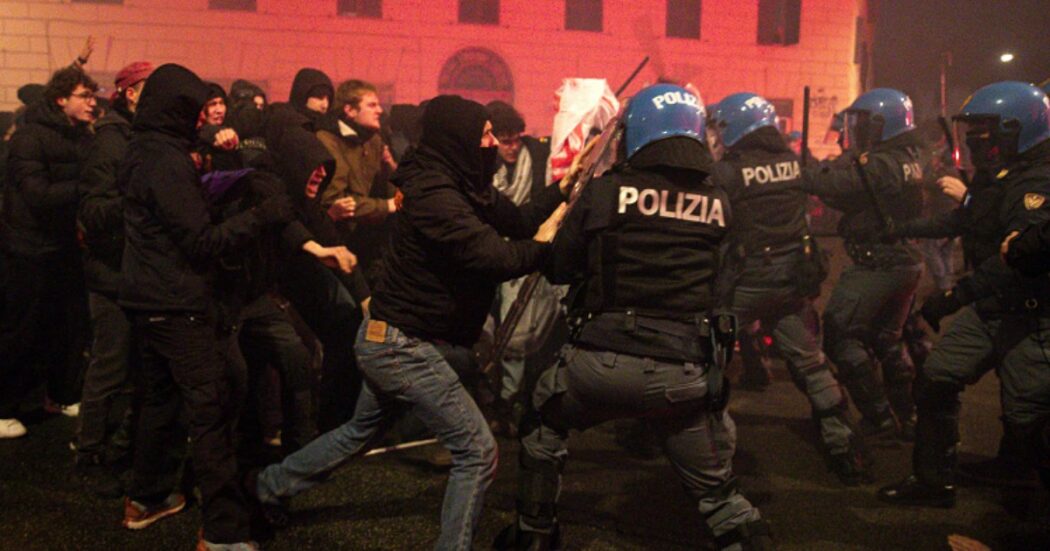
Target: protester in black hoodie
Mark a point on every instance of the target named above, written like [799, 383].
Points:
[101, 220]
[312, 93]
[327, 301]
[45, 294]
[169, 259]
[446, 257]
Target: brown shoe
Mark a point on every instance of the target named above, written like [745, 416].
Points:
[138, 515]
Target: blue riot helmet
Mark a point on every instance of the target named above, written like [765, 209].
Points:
[659, 112]
[1001, 121]
[740, 114]
[877, 116]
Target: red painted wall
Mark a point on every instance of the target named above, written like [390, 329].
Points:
[404, 52]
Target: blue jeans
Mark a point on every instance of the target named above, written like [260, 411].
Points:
[403, 372]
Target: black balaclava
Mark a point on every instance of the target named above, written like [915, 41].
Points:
[452, 128]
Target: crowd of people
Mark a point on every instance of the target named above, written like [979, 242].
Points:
[266, 290]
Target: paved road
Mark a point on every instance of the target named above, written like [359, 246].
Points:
[610, 501]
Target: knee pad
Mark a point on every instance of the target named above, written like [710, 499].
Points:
[840, 410]
[721, 492]
[897, 367]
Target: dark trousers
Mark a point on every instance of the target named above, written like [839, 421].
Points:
[107, 374]
[43, 328]
[186, 362]
[267, 338]
[864, 317]
[334, 317]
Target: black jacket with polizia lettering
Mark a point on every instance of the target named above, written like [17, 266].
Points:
[761, 175]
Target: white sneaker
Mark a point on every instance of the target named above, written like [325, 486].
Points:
[72, 410]
[11, 428]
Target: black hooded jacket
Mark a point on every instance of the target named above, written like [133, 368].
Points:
[306, 80]
[171, 240]
[40, 198]
[244, 116]
[447, 249]
[296, 153]
[101, 212]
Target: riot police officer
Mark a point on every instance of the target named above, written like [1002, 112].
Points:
[775, 264]
[1003, 313]
[877, 189]
[640, 250]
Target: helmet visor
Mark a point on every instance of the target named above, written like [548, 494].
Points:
[860, 130]
[983, 142]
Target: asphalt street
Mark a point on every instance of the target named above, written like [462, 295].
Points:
[609, 501]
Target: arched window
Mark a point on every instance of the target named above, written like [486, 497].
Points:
[478, 74]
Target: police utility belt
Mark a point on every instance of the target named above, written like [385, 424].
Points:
[772, 254]
[877, 256]
[704, 339]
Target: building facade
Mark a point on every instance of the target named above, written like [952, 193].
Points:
[516, 50]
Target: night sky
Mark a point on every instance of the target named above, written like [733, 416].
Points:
[911, 36]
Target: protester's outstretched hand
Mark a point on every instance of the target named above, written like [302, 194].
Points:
[963, 543]
[339, 258]
[87, 50]
[550, 227]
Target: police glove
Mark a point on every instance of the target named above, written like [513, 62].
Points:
[275, 210]
[937, 306]
[1027, 252]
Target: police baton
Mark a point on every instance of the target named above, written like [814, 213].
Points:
[590, 158]
[804, 151]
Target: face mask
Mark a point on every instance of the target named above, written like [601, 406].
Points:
[489, 163]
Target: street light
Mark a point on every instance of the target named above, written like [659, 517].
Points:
[1006, 58]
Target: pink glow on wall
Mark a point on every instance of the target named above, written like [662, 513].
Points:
[415, 43]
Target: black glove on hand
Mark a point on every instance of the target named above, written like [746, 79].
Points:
[936, 307]
[275, 210]
[1027, 254]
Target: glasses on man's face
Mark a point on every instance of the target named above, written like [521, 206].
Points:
[86, 96]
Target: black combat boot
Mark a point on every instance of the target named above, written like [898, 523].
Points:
[911, 491]
[751, 536]
[852, 468]
[513, 538]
